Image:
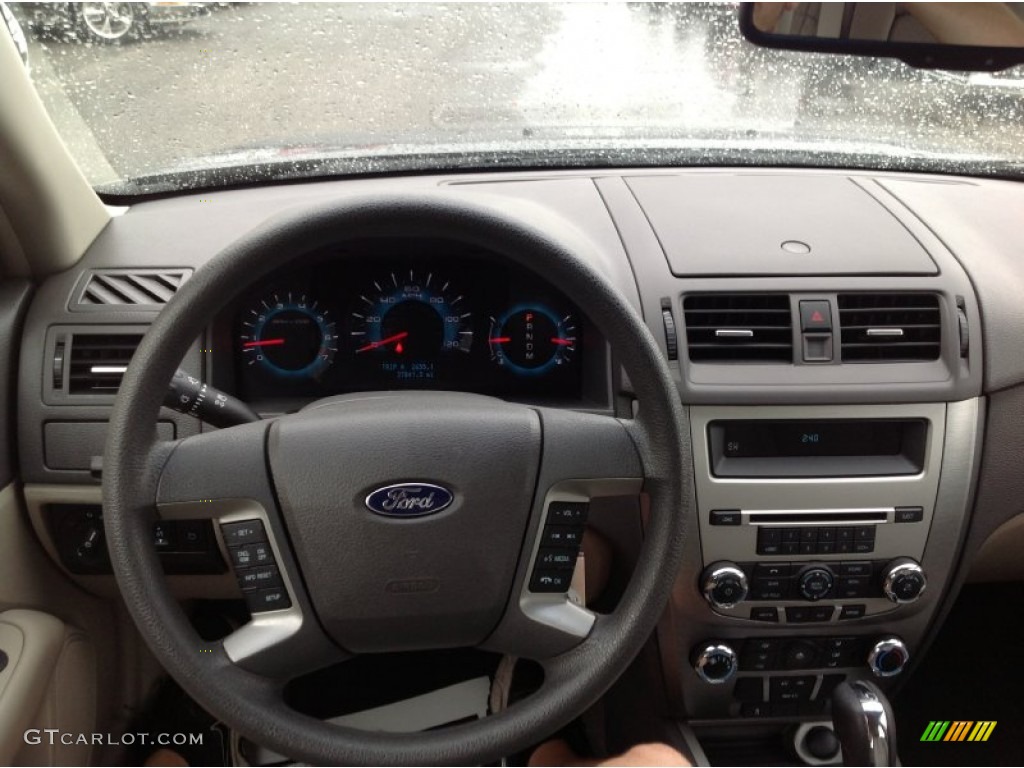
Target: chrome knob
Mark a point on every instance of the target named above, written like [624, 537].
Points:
[724, 585]
[888, 657]
[715, 663]
[904, 581]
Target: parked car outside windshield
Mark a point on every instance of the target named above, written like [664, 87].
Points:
[253, 92]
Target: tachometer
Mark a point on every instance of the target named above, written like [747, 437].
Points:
[409, 321]
[531, 340]
[289, 336]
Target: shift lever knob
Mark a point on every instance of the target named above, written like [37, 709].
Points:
[864, 723]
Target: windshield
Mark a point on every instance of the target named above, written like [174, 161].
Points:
[155, 97]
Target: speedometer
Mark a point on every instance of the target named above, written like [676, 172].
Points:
[409, 321]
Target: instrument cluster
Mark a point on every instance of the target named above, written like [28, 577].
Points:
[406, 319]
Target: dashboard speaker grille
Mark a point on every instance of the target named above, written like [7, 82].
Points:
[133, 288]
[98, 361]
[739, 327]
[890, 327]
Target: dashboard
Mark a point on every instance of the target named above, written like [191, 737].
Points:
[401, 315]
[846, 346]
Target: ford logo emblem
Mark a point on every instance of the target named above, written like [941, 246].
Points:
[409, 499]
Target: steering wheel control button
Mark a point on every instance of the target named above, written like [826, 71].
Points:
[726, 517]
[568, 512]
[556, 558]
[764, 614]
[550, 580]
[724, 585]
[251, 554]
[246, 532]
[908, 515]
[904, 581]
[263, 576]
[273, 599]
[562, 536]
[888, 657]
[815, 582]
[715, 663]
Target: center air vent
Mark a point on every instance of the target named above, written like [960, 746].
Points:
[739, 327]
[149, 288]
[890, 327]
[98, 361]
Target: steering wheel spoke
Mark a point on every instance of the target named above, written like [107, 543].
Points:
[585, 457]
[222, 476]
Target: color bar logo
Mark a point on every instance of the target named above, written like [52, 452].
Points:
[958, 730]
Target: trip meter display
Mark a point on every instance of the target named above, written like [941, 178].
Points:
[407, 323]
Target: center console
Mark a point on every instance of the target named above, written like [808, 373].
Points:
[825, 536]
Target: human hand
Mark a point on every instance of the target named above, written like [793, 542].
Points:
[557, 752]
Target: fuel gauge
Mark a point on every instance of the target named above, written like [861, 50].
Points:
[532, 340]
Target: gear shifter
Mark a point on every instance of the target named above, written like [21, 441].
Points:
[864, 723]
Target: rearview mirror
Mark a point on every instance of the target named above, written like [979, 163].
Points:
[964, 36]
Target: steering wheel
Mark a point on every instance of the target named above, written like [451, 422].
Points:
[354, 581]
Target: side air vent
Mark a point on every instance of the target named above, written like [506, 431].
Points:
[98, 361]
[150, 288]
[740, 327]
[890, 327]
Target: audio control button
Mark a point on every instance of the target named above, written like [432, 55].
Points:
[772, 570]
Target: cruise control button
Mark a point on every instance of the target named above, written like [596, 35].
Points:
[551, 580]
[275, 599]
[251, 554]
[247, 532]
[567, 512]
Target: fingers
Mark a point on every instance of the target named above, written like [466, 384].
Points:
[555, 752]
[558, 753]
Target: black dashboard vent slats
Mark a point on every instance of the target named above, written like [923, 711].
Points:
[890, 327]
[104, 288]
[739, 327]
[98, 361]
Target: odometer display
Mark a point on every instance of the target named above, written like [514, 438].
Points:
[408, 323]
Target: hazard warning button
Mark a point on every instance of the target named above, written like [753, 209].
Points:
[815, 315]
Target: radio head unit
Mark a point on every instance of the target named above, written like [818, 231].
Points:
[816, 448]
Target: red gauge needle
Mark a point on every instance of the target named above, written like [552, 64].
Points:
[562, 342]
[263, 343]
[500, 340]
[383, 342]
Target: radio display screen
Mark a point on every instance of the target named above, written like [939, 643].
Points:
[768, 439]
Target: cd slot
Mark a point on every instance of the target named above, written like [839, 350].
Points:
[825, 516]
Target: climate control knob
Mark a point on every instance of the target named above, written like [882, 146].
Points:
[715, 663]
[888, 657]
[815, 582]
[904, 581]
[724, 584]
